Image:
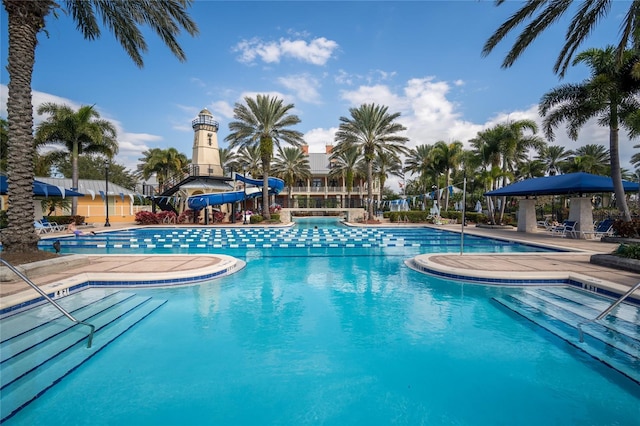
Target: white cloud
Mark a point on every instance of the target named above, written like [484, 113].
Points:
[304, 86]
[318, 139]
[317, 52]
[378, 94]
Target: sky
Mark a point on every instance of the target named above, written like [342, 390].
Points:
[419, 58]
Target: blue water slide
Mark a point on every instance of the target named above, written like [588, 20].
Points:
[200, 201]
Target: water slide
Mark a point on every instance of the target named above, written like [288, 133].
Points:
[197, 202]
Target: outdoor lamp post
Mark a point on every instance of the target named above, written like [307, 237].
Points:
[106, 191]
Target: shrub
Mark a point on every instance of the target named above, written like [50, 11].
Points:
[256, 218]
[218, 217]
[627, 229]
[65, 220]
[77, 219]
[631, 251]
[146, 218]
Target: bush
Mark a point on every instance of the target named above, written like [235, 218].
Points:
[146, 218]
[627, 229]
[77, 219]
[256, 218]
[631, 251]
[65, 220]
[186, 216]
[166, 217]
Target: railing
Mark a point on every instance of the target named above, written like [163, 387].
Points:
[50, 300]
[609, 309]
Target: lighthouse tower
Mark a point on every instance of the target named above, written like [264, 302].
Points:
[205, 160]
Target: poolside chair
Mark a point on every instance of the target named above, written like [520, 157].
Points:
[53, 225]
[568, 227]
[40, 228]
[604, 228]
[546, 224]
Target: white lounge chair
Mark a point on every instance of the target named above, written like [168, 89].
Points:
[568, 227]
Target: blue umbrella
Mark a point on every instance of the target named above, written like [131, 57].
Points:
[42, 189]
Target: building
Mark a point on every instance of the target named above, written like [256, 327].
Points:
[324, 191]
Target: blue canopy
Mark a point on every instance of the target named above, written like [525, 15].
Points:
[42, 189]
[571, 183]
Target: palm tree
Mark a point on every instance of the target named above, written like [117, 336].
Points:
[372, 130]
[290, 165]
[25, 20]
[228, 160]
[346, 165]
[386, 164]
[590, 158]
[249, 160]
[79, 132]
[448, 157]
[635, 158]
[587, 16]
[4, 143]
[265, 122]
[610, 95]
[420, 162]
[167, 164]
[554, 158]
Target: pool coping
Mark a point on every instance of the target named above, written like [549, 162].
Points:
[224, 266]
[426, 264]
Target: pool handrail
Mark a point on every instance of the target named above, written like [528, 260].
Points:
[609, 309]
[53, 302]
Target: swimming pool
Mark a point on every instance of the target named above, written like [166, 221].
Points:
[336, 335]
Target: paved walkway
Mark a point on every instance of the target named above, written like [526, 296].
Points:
[114, 267]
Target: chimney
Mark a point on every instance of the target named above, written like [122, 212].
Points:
[305, 149]
[328, 149]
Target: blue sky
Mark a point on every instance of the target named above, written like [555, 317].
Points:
[422, 59]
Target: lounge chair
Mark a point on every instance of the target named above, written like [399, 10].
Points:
[41, 229]
[567, 227]
[546, 224]
[604, 228]
[53, 225]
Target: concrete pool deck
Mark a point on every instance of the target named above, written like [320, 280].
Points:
[71, 270]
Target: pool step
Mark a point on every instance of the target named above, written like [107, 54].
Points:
[38, 358]
[614, 340]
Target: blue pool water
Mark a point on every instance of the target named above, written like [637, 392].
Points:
[336, 335]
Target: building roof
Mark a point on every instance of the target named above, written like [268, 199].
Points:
[319, 163]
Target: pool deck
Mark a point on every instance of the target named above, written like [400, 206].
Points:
[56, 274]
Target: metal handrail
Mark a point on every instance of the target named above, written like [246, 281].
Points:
[53, 302]
[609, 309]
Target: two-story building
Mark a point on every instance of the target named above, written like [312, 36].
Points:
[322, 190]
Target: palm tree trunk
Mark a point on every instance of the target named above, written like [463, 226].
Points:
[24, 21]
[616, 172]
[75, 178]
[370, 189]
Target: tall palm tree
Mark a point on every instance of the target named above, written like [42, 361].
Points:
[590, 158]
[78, 132]
[448, 156]
[346, 165]
[290, 165]
[167, 164]
[587, 16]
[372, 130]
[25, 20]
[4, 144]
[610, 94]
[385, 164]
[265, 122]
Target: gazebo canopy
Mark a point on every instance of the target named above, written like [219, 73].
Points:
[571, 183]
